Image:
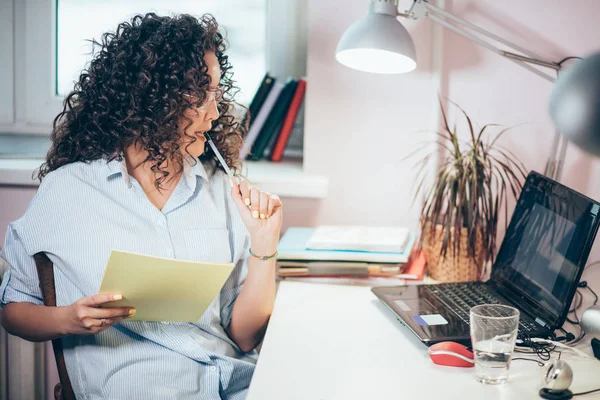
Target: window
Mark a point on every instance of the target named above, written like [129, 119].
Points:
[243, 20]
[45, 50]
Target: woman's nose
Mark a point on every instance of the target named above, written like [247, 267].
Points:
[213, 111]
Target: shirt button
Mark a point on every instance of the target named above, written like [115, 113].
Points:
[165, 323]
[213, 368]
[161, 222]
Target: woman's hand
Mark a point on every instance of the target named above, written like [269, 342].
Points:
[261, 212]
[85, 317]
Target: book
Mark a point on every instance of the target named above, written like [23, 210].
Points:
[274, 120]
[334, 268]
[292, 246]
[260, 96]
[260, 119]
[288, 123]
[348, 280]
[359, 238]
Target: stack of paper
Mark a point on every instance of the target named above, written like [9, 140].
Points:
[359, 238]
[356, 251]
[163, 289]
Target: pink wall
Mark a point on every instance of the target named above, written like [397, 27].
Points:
[360, 126]
[494, 90]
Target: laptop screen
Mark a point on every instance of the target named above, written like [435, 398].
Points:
[546, 247]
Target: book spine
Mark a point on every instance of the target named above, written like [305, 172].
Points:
[274, 120]
[256, 127]
[260, 96]
[288, 124]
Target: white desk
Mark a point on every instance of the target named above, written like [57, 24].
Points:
[327, 342]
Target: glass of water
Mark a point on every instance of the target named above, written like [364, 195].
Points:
[493, 334]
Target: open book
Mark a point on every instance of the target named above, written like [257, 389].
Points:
[359, 238]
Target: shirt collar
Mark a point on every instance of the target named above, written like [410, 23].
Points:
[115, 167]
[191, 167]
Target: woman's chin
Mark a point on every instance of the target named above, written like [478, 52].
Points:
[195, 150]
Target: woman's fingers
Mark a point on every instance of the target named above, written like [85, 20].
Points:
[100, 313]
[250, 200]
[244, 188]
[97, 299]
[274, 202]
[99, 325]
[263, 208]
[255, 202]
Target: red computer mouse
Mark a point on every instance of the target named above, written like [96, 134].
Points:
[452, 354]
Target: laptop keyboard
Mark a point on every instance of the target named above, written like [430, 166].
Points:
[461, 297]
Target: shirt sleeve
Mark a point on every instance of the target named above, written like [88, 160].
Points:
[232, 288]
[20, 282]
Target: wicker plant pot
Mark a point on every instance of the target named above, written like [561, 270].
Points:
[450, 268]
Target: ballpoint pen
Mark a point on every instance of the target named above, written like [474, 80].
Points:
[219, 156]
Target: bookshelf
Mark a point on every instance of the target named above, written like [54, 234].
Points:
[286, 178]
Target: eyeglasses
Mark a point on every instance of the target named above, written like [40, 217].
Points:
[211, 95]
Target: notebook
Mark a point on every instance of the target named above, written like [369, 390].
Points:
[359, 238]
[292, 246]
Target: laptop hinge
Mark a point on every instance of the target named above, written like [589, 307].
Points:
[520, 302]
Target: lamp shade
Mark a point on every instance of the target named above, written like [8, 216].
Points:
[378, 43]
[575, 104]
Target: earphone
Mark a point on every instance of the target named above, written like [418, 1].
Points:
[557, 378]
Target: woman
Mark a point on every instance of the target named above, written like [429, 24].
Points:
[123, 173]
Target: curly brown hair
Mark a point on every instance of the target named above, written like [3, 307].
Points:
[133, 91]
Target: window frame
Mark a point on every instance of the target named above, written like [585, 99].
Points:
[7, 110]
[29, 102]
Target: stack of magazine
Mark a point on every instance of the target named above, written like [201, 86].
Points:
[275, 112]
[349, 251]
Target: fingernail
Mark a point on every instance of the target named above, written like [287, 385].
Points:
[262, 216]
[117, 297]
[132, 312]
[255, 214]
[231, 182]
[247, 201]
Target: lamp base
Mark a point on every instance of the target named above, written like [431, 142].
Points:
[556, 395]
[596, 348]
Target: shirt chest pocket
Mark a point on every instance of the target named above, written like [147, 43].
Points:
[210, 245]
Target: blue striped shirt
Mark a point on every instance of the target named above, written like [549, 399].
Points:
[84, 210]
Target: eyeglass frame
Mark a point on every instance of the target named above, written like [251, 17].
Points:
[213, 94]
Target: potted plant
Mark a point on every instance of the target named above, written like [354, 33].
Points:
[459, 216]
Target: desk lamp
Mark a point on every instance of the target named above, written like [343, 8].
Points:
[379, 43]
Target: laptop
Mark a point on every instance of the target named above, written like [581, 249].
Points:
[537, 269]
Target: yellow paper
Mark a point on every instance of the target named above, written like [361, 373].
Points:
[162, 289]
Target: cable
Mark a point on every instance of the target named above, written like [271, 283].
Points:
[585, 285]
[592, 264]
[567, 59]
[565, 346]
[539, 363]
[542, 350]
[588, 392]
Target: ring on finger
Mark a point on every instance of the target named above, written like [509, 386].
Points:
[102, 322]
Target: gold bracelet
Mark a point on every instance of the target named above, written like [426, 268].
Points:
[262, 258]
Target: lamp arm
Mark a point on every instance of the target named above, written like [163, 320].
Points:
[439, 16]
[423, 8]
